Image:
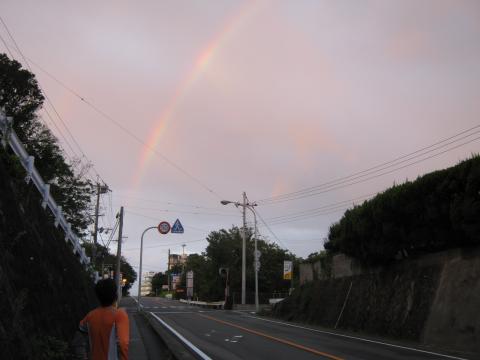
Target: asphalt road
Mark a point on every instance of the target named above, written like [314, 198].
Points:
[234, 335]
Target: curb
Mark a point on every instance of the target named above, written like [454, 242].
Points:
[176, 347]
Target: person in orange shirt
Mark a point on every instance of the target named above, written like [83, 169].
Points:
[107, 326]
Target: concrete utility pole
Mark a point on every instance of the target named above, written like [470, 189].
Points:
[244, 206]
[101, 189]
[168, 269]
[119, 254]
[244, 247]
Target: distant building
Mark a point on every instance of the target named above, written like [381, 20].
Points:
[146, 283]
[177, 259]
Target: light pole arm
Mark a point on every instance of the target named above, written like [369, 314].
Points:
[140, 268]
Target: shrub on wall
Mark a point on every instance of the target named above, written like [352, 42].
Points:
[437, 211]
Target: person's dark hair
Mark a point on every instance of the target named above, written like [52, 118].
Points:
[106, 291]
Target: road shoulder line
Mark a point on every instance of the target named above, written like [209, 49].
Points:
[192, 347]
[357, 338]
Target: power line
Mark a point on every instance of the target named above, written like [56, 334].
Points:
[168, 203]
[156, 219]
[180, 212]
[364, 175]
[326, 212]
[128, 132]
[6, 46]
[165, 245]
[19, 51]
[270, 230]
[319, 209]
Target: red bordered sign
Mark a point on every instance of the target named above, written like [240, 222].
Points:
[163, 227]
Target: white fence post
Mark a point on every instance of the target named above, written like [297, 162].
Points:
[8, 137]
[68, 233]
[46, 195]
[58, 215]
[30, 161]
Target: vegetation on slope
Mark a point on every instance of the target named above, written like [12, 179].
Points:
[437, 211]
[21, 98]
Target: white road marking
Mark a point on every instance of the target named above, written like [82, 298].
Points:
[175, 312]
[199, 352]
[358, 338]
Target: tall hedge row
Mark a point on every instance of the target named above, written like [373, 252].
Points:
[437, 211]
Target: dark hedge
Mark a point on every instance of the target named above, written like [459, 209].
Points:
[438, 211]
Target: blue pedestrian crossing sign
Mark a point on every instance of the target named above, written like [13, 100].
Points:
[177, 228]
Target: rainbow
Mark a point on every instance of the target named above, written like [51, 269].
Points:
[203, 60]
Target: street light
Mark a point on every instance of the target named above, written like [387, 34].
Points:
[140, 270]
[246, 205]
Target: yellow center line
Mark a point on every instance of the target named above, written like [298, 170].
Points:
[283, 341]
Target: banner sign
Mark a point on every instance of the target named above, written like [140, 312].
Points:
[287, 270]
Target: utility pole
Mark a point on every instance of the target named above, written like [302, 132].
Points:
[101, 189]
[244, 205]
[244, 247]
[168, 270]
[119, 254]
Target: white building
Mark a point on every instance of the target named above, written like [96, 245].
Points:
[146, 283]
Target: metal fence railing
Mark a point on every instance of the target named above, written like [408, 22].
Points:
[9, 138]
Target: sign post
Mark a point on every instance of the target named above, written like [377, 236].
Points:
[140, 269]
[190, 285]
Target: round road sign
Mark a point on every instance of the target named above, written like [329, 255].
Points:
[164, 227]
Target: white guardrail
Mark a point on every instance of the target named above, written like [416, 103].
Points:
[214, 304]
[10, 138]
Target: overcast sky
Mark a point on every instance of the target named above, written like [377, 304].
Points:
[267, 97]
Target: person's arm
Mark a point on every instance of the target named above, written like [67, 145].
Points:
[123, 333]
[83, 326]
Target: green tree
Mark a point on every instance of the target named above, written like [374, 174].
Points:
[224, 250]
[21, 97]
[105, 260]
[158, 280]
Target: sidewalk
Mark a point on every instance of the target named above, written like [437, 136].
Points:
[144, 342]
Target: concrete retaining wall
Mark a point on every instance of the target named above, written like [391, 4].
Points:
[454, 319]
[434, 299]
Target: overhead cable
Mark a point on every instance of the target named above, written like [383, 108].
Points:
[378, 170]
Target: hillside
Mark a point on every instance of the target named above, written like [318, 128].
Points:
[45, 291]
